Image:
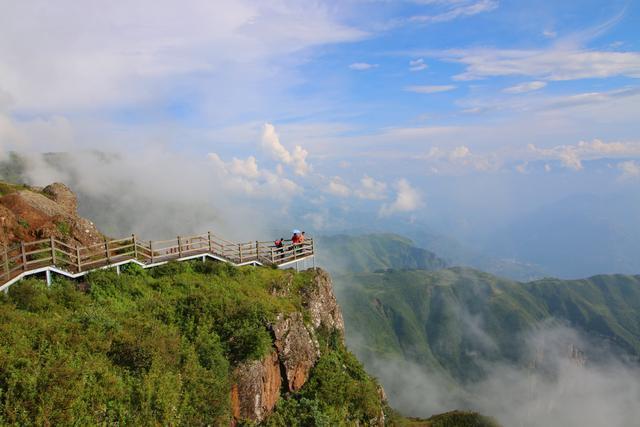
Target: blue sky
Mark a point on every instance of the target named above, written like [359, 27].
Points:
[444, 111]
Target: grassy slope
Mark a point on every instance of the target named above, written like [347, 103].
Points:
[371, 252]
[157, 347]
[449, 319]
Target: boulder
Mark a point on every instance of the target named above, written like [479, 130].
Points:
[63, 196]
[29, 215]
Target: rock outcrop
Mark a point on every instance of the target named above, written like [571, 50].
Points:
[296, 350]
[32, 214]
[321, 303]
[297, 347]
[257, 388]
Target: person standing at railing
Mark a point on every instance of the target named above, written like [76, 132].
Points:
[279, 244]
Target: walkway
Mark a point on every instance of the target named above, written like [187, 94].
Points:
[53, 256]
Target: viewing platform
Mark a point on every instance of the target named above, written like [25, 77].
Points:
[54, 256]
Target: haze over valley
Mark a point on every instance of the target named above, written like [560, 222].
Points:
[468, 170]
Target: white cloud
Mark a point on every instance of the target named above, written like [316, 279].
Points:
[417, 65]
[550, 64]
[362, 66]
[247, 168]
[522, 168]
[461, 9]
[525, 87]
[571, 156]
[271, 144]
[461, 152]
[429, 89]
[408, 199]
[337, 187]
[126, 53]
[371, 189]
[630, 169]
[299, 161]
[244, 176]
[550, 34]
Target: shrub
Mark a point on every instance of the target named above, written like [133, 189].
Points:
[30, 295]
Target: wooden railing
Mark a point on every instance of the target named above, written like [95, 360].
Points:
[51, 252]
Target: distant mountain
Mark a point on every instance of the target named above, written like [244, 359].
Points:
[456, 253]
[576, 237]
[373, 252]
[456, 320]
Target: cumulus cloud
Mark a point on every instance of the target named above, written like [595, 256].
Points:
[417, 65]
[525, 87]
[571, 156]
[630, 169]
[427, 89]
[408, 199]
[371, 189]
[362, 66]
[243, 175]
[461, 152]
[271, 144]
[337, 187]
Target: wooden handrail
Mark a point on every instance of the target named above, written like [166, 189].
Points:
[26, 256]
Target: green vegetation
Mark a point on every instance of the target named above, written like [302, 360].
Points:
[372, 252]
[157, 347]
[455, 320]
[338, 393]
[449, 419]
[23, 223]
[64, 228]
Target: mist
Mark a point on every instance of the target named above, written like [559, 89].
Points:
[558, 386]
[157, 194]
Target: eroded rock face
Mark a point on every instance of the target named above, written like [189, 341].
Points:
[321, 302]
[33, 215]
[297, 348]
[63, 196]
[257, 388]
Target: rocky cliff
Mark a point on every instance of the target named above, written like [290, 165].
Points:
[260, 384]
[28, 214]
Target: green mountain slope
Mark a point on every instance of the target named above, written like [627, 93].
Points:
[456, 320]
[372, 252]
[164, 346]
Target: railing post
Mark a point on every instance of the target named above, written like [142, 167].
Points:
[257, 251]
[24, 256]
[240, 252]
[78, 259]
[135, 246]
[151, 250]
[179, 248]
[53, 251]
[106, 251]
[6, 263]
[209, 237]
[273, 257]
